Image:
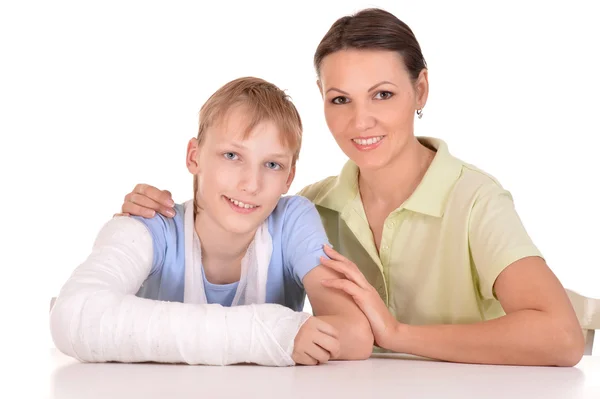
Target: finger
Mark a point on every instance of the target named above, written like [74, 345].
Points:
[347, 286]
[352, 274]
[338, 266]
[149, 203]
[329, 343]
[333, 254]
[163, 197]
[304, 359]
[318, 353]
[133, 209]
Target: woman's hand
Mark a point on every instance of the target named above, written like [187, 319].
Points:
[146, 200]
[383, 324]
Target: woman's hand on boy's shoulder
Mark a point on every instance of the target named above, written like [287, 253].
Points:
[145, 200]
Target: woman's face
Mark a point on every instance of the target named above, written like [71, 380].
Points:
[370, 103]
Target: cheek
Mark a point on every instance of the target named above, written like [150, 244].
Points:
[214, 178]
[274, 184]
[336, 120]
[397, 116]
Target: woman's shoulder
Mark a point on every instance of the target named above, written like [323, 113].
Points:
[450, 172]
[318, 189]
[477, 186]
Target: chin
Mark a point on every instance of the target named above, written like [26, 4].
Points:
[373, 160]
[241, 224]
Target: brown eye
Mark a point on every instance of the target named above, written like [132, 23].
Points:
[384, 95]
[340, 100]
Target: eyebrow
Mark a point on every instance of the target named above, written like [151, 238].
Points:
[279, 155]
[381, 83]
[370, 89]
[336, 89]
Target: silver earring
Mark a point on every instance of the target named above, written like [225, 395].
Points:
[420, 113]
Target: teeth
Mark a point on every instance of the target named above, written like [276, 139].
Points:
[241, 204]
[369, 141]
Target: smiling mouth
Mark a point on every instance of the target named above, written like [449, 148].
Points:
[240, 204]
[367, 143]
[364, 141]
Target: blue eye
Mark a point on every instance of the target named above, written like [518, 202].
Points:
[274, 166]
[384, 95]
[232, 156]
[340, 100]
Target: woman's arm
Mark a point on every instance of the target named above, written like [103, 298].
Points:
[539, 328]
[339, 310]
[98, 318]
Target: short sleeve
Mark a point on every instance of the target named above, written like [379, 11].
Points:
[303, 238]
[158, 227]
[497, 237]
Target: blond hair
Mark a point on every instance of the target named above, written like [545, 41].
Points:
[263, 101]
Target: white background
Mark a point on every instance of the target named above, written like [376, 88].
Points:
[95, 98]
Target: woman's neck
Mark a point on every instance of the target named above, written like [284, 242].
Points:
[222, 251]
[390, 185]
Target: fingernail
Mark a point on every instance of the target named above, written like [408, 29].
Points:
[170, 213]
[151, 214]
[171, 203]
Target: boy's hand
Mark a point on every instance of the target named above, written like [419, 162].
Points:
[316, 343]
[146, 200]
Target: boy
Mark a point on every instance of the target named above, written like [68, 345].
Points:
[222, 282]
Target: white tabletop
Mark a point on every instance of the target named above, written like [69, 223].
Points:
[382, 376]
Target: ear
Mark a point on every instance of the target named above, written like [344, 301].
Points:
[290, 179]
[320, 86]
[422, 89]
[191, 159]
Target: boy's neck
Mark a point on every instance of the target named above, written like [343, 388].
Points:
[222, 251]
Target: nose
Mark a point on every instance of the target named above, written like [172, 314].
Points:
[363, 117]
[250, 180]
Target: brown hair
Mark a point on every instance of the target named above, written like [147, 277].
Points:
[372, 29]
[263, 101]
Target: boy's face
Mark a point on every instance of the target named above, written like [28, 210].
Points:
[240, 181]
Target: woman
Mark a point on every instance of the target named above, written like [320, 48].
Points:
[434, 252]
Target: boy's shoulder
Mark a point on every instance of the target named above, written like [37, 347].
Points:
[290, 209]
[293, 203]
[160, 225]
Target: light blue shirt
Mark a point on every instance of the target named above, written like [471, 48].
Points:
[298, 237]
